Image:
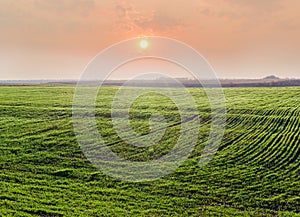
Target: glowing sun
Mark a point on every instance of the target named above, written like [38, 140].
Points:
[144, 44]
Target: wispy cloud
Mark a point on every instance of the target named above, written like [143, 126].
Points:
[265, 5]
[131, 18]
[245, 8]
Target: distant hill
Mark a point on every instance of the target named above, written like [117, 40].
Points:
[271, 77]
[269, 81]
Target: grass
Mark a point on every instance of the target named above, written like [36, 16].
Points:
[43, 171]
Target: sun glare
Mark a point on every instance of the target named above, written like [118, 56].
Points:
[144, 44]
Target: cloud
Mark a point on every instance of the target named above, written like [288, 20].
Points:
[289, 24]
[158, 21]
[130, 18]
[121, 12]
[266, 5]
[236, 9]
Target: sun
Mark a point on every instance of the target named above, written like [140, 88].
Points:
[144, 44]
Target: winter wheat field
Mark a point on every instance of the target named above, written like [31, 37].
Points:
[255, 172]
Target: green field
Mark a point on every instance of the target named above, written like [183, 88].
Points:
[43, 171]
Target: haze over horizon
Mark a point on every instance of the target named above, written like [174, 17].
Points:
[55, 39]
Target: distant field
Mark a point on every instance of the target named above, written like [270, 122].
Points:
[256, 171]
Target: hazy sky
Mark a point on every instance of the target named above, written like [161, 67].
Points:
[55, 39]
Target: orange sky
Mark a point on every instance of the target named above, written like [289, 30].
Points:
[55, 39]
